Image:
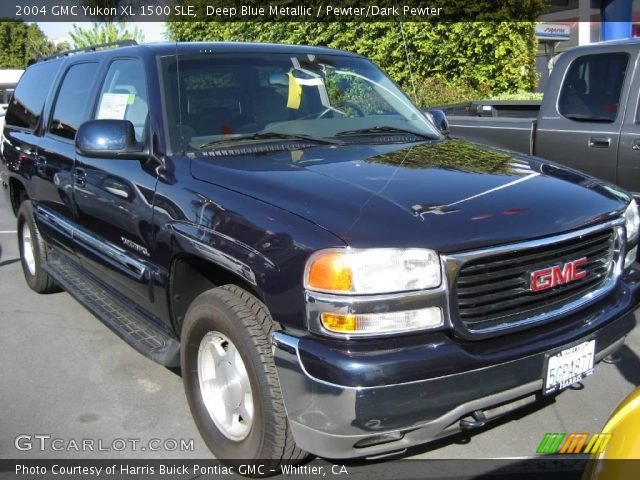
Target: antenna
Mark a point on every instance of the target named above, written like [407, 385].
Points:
[406, 52]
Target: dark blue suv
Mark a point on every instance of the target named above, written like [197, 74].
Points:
[331, 272]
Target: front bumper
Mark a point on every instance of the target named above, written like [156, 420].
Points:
[352, 402]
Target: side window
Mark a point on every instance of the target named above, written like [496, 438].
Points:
[28, 100]
[73, 100]
[592, 87]
[124, 95]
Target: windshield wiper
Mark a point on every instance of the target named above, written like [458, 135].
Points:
[239, 139]
[380, 130]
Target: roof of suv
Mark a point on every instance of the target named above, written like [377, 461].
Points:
[170, 48]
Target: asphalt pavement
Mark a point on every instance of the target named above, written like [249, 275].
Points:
[66, 377]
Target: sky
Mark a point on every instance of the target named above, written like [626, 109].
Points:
[153, 31]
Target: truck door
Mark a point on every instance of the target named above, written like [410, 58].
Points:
[56, 153]
[629, 146]
[114, 197]
[582, 129]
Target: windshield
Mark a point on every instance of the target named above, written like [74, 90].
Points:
[227, 99]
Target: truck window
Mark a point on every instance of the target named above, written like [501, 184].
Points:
[73, 100]
[591, 89]
[26, 105]
[124, 95]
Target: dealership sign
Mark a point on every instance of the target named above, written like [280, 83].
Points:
[553, 31]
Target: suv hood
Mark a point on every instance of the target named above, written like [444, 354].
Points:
[449, 196]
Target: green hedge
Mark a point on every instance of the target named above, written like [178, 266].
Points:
[451, 62]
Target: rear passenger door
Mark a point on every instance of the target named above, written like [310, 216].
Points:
[56, 153]
[582, 129]
[22, 129]
[114, 197]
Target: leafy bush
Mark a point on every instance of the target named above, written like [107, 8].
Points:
[436, 90]
[517, 96]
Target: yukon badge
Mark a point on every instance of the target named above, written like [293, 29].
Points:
[550, 277]
[138, 248]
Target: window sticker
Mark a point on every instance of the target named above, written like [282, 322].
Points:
[295, 88]
[113, 106]
[295, 93]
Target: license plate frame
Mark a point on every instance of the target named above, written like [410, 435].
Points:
[576, 362]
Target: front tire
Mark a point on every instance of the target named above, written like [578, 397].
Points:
[230, 378]
[33, 251]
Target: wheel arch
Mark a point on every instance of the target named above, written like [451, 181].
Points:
[190, 276]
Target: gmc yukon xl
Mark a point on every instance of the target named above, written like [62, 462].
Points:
[331, 273]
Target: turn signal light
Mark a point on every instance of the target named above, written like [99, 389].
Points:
[382, 323]
[330, 272]
[339, 323]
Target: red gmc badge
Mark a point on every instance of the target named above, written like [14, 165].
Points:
[550, 277]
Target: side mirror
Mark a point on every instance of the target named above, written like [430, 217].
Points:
[440, 120]
[109, 139]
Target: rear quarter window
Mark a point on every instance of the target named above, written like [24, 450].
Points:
[28, 99]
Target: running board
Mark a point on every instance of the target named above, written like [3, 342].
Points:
[131, 325]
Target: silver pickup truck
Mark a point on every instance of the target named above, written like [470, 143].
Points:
[589, 118]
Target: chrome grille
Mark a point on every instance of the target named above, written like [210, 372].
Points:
[496, 288]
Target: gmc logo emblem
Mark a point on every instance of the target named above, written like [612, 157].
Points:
[557, 275]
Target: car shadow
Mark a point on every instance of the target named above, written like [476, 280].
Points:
[461, 438]
[402, 467]
[9, 262]
[629, 365]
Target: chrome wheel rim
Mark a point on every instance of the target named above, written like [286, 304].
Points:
[27, 250]
[224, 386]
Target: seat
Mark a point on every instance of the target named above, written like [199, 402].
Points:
[574, 102]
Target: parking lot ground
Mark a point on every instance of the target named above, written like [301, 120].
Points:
[66, 375]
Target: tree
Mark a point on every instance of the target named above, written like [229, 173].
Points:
[22, 43]
[104, 32]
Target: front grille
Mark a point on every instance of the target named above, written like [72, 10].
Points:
[495, 289]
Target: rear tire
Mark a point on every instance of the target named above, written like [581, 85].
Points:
[239, 409]
[33, 251]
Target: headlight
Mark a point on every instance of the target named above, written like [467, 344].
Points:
[370, 271]
[632, 222]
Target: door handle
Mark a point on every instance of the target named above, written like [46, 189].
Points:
[599, 142]
[79, 177]
[635, 144]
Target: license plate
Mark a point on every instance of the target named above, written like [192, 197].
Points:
[569, 366]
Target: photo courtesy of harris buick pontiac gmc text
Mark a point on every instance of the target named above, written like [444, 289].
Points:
[332, 273]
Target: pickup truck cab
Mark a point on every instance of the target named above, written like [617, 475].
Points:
[589, 118]
[331, 273]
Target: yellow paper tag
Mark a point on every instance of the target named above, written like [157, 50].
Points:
[296, 155]
[295, 93]
[132, 98]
